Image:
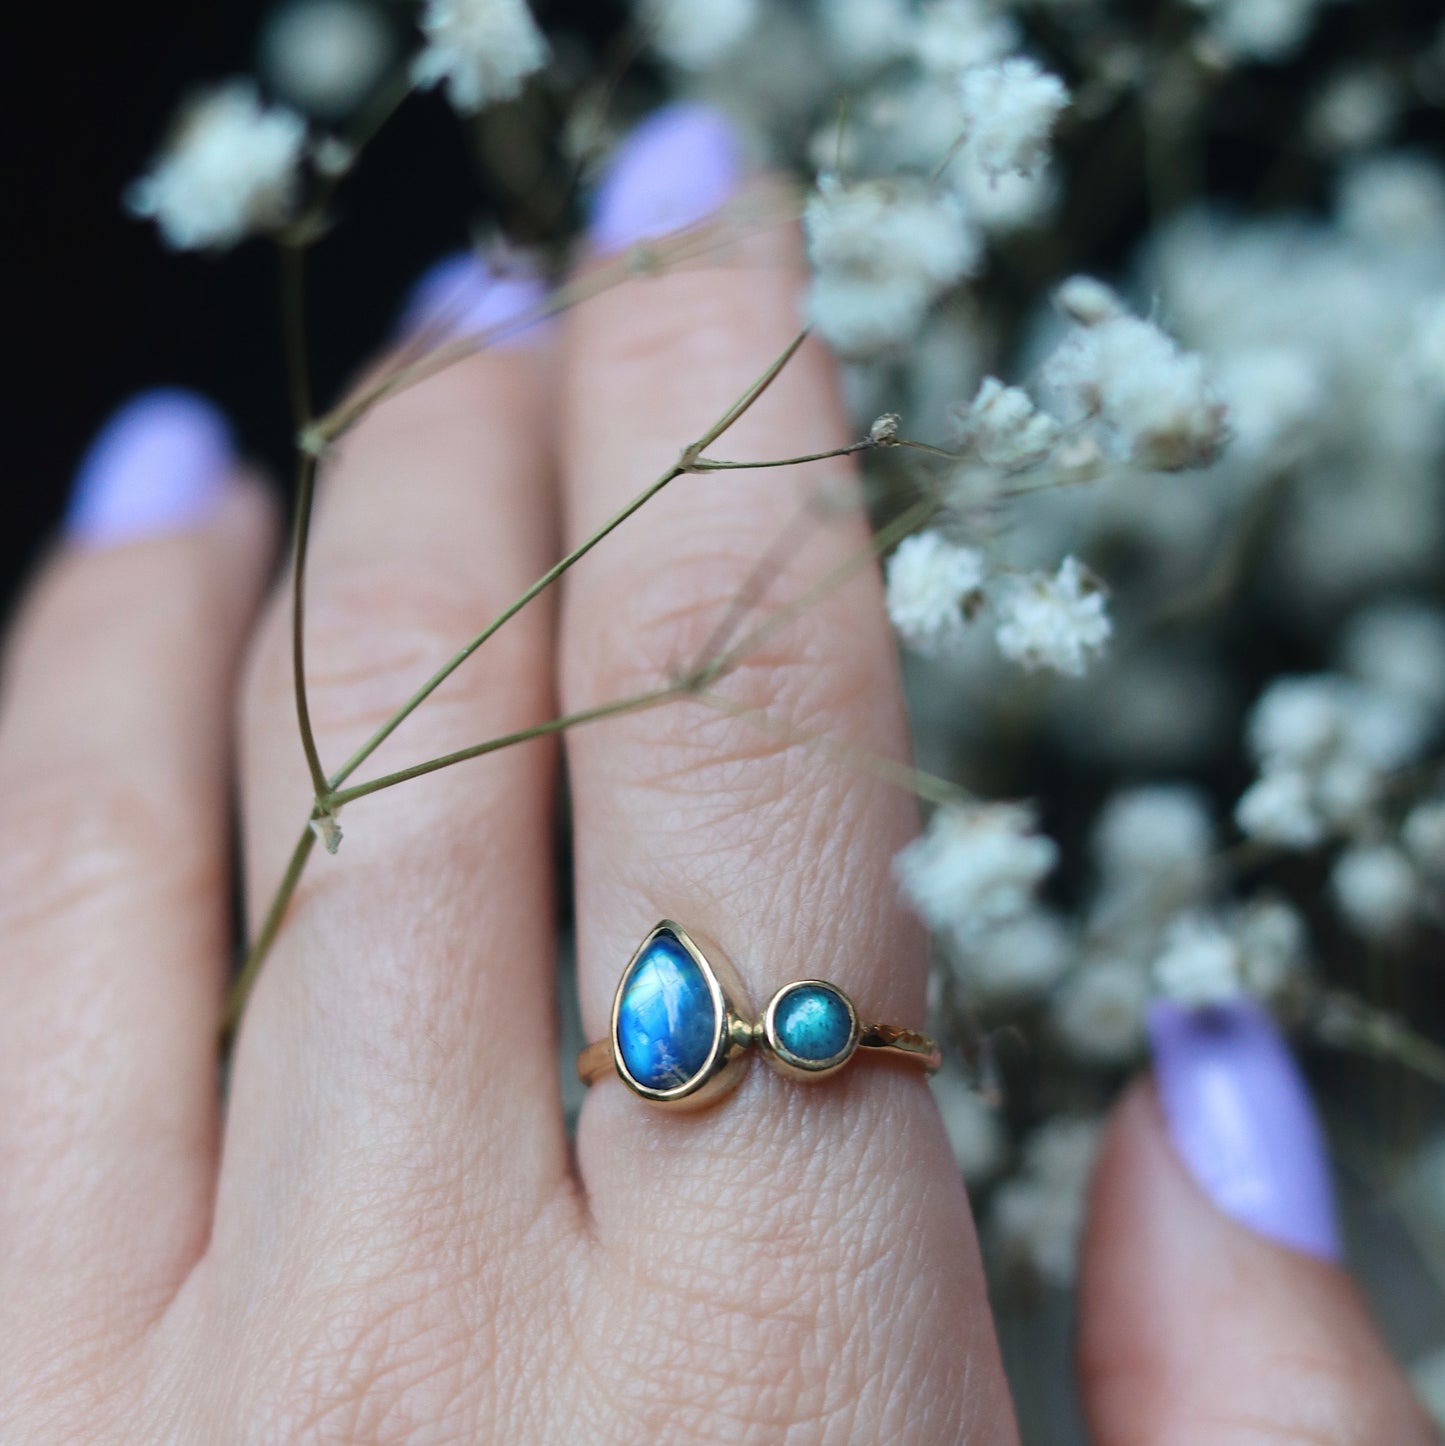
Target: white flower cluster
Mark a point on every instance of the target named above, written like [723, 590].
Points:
[882, 253]
[933, 585]
[1038, 1215]
[1009, 112]
[231, 167]
[1376, 889]
[1212, 957]
[482, 50]
[1325, 745]
[961, 139]
[1319, 333]
[1149, 928]
[1259, 30]
[1156, 403]
[949, 36]
[325, 56]
[976, 867]
[1003, 427]
[975, 1131]
[1057, 621]
[696, 34]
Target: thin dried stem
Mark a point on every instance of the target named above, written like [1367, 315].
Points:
[710, 464]
[328, 794]
[734, 412]
[293, 286]
[261, 946]
[633, 704]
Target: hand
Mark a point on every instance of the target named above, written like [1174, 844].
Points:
[392, 1241]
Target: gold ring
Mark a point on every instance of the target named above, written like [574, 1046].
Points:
[681, 1029]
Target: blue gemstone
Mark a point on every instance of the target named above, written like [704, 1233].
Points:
[666, 1022]
[812, 1022]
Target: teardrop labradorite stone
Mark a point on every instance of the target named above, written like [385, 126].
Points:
[666, 1020]
[812, 1022]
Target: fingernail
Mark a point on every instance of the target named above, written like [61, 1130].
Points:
[459, 296]
[675, 169]
[1240, 1116]
[160, 464]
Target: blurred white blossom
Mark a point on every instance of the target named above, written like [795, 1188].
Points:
[1376, 889]
[976, 866]
[1279, 808]
[1424, 836]
[1153, 844]
[1326, 744]
[882, 252]
[325, 56]
[1156, 400]
[975, 1131]
[1038, 1215]
[482, 50]
[1259, 30]
[230, 167]
[1009, 111]
[695, 34]
[951, 35]
[1098, 1011]
[1200, 962]
[1003, 428]
[1018, 959]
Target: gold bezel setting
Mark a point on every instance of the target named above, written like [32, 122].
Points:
[734, 1033]
[721, 1071]
[796, 1066]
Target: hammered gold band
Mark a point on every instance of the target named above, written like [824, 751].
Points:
[681, 1032]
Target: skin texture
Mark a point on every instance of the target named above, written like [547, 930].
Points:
[391, 1241]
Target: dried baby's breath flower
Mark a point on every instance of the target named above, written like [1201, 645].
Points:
[1009, 112]
[695, 34]
[325, 56]
[231, 167]
[1376, 889]
[882, 252]
[1155, 399]
[482, 50]
[976, 866]
[1057, 622]
[932, 585]
[1003, 428]
[1200, 962]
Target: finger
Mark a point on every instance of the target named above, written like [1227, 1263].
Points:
[114, 897]
[1214, 1307]
[780, 854]
[398, 1039]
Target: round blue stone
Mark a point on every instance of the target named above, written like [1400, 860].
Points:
[812, 1022]
[666, 1022]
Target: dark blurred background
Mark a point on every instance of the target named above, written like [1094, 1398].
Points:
[97, 308]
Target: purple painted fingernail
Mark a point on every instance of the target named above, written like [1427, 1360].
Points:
[1241, 1118]
[675, 169]
[458, 296]
[160, 464]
